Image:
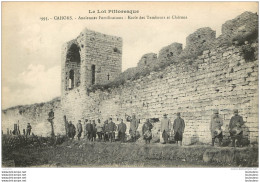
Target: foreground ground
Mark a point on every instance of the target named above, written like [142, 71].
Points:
[72, 153]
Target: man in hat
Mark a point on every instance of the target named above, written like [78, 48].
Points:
[178, 127]
[147, 131]
[106, 131]
[72, 130]
[85, 131]
[121, 131]
[94, 132]
[165, 128]
[79, 129]
[99, 128]
[111, 130]
[235, 128]
[215, 127]
[89, 130]
[134, 123]
[28, 129]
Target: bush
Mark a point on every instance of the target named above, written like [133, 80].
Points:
[248, 53]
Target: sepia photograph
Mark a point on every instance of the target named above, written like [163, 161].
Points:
[130, 85]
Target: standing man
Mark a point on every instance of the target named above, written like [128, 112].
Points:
[94, 132]
[165, 128]
[147, 131]
[72, 130]
[79, 129]
[235, 128]
[89, 130]
[134, 123]
[50, 119]
[111, 130]
[215, 127]
[99, 130]
[85, 130]
[106, 131]
[28, 129]
[178, 127]
[121, 131]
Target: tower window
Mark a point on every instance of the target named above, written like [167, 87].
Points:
[73, 54]
[93, 72]
[71, 79]
[115, 49]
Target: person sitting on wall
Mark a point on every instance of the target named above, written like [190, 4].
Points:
[121, 131]
[134, 123]
[94, 132]
[72, 130]
[147, 131]
[178, 127]
[165, 128]
[79, 129]
[99, 130]
[235, 128]
[89, 130]
[111, 130]
[28, 129]
[215, 127]
[51, 115]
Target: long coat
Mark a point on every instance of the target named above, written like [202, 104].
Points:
[216, 123]
[147, 126]
[178, 125]
[165, 124]
[134, 123]
[79, 127]
[122, 127]
[111, 127]
[236, 121]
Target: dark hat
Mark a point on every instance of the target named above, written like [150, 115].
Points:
[165, 114]
[235, 111]
[215, 111]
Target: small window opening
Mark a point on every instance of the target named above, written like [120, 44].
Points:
[71, 79]
[93, 72]
[108, 76]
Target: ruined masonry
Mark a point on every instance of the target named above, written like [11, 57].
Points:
[209, 73]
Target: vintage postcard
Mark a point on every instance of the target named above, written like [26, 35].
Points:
[130, 84]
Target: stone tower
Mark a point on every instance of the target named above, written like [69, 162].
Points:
[92, 58]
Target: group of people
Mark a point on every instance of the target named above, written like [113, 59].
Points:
[178, 128]
[106, 131]
[26, 131]
[234, 128]
[92, 130]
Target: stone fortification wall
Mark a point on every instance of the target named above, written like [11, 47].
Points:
[36, 115]
[170, 52]
[219, 79]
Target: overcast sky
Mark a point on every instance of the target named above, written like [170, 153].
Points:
[31, 49]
